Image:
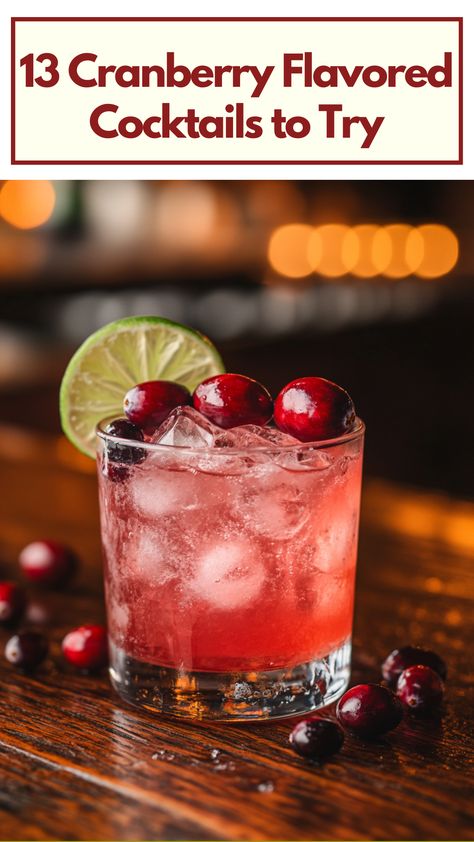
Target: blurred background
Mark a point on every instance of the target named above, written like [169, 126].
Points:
[366, 283]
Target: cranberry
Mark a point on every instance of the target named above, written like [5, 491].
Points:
[148, 404]
[48, 563]
[312, 409]
[369, 710]
[26, 650]
[86, 647]
[420, 688]
[316, 738]
[410, 656]
[230, 400]
[12, 602]
[117, 452]
[115, 473]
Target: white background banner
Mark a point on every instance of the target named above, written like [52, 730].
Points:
[235, 98]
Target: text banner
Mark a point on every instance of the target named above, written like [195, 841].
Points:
[250, 91]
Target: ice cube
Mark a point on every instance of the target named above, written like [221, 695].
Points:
[283, 450]
[249, 436]
[159, 491]
[228, 575]
[336, 543]
[303, 459]
[237, 438]
[185, 427]
[276, 509]
[147, 557]
[269, 436]
[261, 444]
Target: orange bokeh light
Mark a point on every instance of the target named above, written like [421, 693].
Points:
[394, 251]
[358, 251]
[391, 255]
[435, 250]
[27, 204]
[325, 250]
[288, 250]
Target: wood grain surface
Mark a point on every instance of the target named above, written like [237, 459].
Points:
[76, 763]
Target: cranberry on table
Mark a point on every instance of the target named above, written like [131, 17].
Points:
[316, 738]
[369, 710]
[230, 400]
[26, 650]
[12, 602]
[48, 563]
[420, 688]
[314, 409]
[148, 404]
[410, 656]
[86, 647]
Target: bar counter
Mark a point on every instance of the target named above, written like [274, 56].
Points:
[76, 763]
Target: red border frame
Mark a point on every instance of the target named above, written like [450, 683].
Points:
[14, 21]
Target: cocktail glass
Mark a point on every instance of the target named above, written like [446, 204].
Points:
[229, 573]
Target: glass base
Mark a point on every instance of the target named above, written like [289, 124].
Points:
[232, 696]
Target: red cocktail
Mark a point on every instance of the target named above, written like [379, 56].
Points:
[230, 562]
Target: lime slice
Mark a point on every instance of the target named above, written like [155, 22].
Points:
[118, 356]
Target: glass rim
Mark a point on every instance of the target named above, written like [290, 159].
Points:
[153, 447]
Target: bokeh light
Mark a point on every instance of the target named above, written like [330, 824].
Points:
[27, 204]
[288, 250]
[393, 251]
[195, 218]
[390, 253]
[325, 249]
[358, 252]
[273, 202]
[434, 249]
[115, 212]
[185, 216]
[20, 262]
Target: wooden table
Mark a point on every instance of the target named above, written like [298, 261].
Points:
[75, 763]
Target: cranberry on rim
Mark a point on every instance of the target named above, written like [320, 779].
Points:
[86, 647]
[148, 404]
[314, 409]
[117, 452]
[410, 656]
[48, 563]
[118, 456]
[369, 710]
[12, 602]
[231, 400]
[420, 688]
